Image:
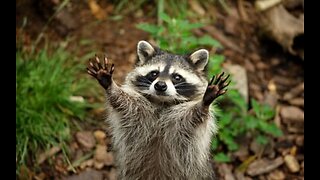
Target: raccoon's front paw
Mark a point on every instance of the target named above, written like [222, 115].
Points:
[101, 70]
[215, 88]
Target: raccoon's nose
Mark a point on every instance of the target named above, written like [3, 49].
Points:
[160, 86]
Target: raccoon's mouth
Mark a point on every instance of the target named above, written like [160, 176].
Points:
[161, 94]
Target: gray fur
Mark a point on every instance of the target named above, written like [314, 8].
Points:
[156, 141]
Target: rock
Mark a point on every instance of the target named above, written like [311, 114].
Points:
[262, 166]
[86, 139]
[276, 175]
[100, 137]
[239, 76]
[89, 174]
[292, 113]
[292, 163]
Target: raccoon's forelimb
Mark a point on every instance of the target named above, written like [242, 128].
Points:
[197, 113]
[100, 70]
[215, 88]
[118, 99]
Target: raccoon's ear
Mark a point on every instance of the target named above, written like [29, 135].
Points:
[144, 51]
[200, 59]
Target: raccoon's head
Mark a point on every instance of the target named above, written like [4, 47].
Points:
[164, 77]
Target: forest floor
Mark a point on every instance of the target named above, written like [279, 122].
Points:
[273, 75]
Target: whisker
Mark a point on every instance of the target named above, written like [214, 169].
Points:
[185, 89]
[142, 84]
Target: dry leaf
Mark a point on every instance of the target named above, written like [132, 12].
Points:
[292, 163]
[100, 137]
[261, 166]
[42, 157]
[96, 10]
[86, 139]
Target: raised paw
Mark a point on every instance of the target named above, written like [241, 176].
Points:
[101, 70]
[215, 88]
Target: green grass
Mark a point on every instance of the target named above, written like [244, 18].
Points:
[44, 84]
[234, 119]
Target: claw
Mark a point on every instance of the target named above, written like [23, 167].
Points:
[98, 62]
[92, 70]
[218, 78]
[91, 73]
[222, 92]
[97, 59]
[105, 62]
[112, 69]
[225, 79]
[225, 85]
[94, 66]
[213, 77]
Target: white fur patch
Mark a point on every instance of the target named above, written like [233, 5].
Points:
[190, 77]
[144, 70]
[151, 88]
[171, 90]
[171, 70]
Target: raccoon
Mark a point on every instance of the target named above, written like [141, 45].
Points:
[161, 118]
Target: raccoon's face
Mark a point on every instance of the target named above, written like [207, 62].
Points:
[165, 77]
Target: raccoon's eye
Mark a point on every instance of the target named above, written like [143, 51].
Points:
[153, 75]
[177, 78]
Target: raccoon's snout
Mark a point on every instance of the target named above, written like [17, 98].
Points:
[160, 86]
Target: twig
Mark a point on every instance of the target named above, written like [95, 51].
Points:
[243, 14]
[61, 6]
